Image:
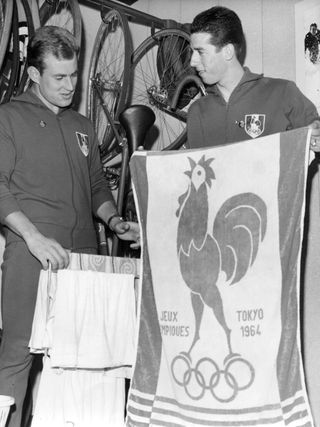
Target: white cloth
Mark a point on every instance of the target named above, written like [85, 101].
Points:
[85, 317]
[78, 398]
[89, 321]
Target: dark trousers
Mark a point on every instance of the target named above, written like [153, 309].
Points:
[20, 276]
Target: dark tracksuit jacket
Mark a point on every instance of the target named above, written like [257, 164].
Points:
[258, 106]
[50, 170]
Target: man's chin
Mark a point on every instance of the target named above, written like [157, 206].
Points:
[206, 79]
[65, 103]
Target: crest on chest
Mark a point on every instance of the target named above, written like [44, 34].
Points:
[254, 124]
[83, 143]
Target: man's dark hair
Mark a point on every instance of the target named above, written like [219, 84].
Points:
[50, 40]
[224, 26]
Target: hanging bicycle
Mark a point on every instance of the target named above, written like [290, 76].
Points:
[108, 82]
[156, 67]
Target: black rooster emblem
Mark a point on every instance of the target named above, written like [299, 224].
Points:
[220, 254]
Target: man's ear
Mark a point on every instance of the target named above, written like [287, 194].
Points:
[34, 74]
[228, 51]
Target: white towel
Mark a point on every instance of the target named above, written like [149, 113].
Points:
[78, 398]
[94, 321]
[41, 334]
[89, 321]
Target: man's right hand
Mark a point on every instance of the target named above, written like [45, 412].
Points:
[47, 250]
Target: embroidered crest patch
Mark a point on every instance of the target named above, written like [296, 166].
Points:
[83, 142]
[254, 124]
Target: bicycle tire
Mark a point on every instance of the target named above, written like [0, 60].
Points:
[109, 72]
[150, 88]
[62, 13]
[10, 65]
[35, 14]
[26, 23]
[6, 8]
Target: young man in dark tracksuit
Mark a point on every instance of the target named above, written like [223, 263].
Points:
[51, 186]
[240, 105]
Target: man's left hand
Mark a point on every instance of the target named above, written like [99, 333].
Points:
[315, 136]
[128, 230]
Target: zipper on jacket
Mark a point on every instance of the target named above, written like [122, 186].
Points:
[69, 160]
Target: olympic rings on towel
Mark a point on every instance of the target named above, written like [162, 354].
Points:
[224, 384]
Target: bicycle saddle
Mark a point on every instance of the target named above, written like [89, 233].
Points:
[136, 121]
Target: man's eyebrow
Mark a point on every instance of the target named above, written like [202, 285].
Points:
[65, 75]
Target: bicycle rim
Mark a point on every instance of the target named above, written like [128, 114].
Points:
[34, 6]
[6, 7]
[26, 31]
[151, 87]
[62, 13]
[10, 65]
[109, 76]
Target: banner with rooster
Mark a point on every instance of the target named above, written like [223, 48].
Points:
[219, 334]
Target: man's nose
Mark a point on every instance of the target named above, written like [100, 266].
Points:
[193, 60]
[69, 83]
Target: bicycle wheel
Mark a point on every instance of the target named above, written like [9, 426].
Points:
[62, 13]
[34, 6]
[108, 81]
[158, 64]
[6, 7]
[26, 31]
[10, 65]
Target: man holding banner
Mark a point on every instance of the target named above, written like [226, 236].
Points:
[219, 332]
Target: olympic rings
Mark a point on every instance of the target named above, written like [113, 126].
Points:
[224, 384]
[243, 364]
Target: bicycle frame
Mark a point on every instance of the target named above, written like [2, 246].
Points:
[122, 142]
[111, 121]
[155, 24]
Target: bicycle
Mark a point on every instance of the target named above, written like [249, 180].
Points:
[136, 121]
[150, 77]
[156, 67]
[158, 64]
[108, 80]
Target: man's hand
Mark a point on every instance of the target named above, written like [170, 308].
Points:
[315, 136]
[127, 230]
[47, 250]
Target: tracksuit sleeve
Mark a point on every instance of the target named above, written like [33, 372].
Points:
[99, 190]
[195, 135]
[8, 202]
[299, 110]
